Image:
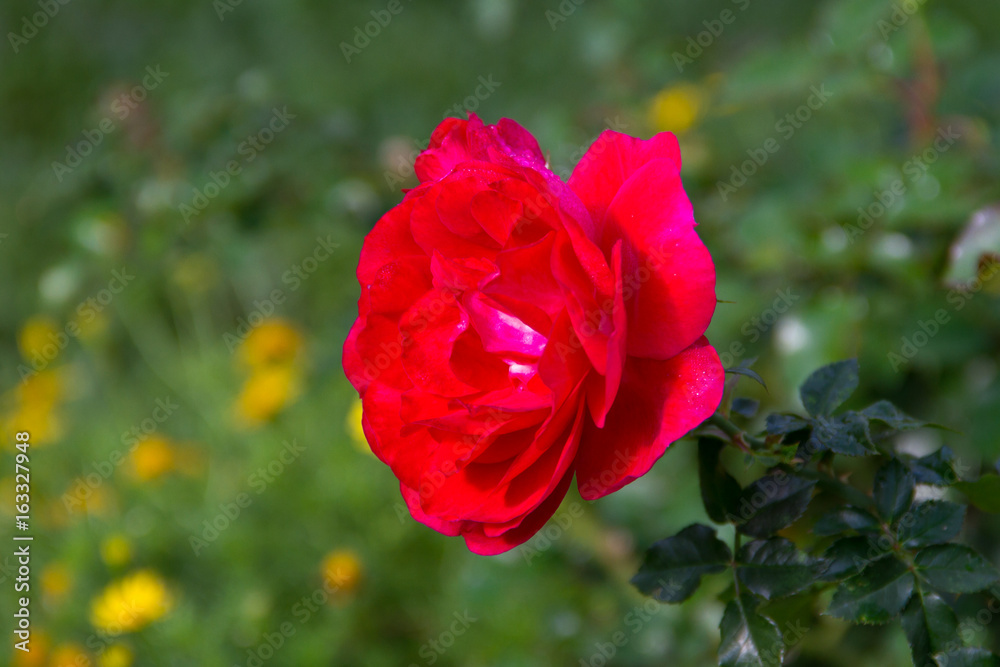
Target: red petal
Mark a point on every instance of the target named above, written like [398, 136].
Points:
[658, 402]
[611, 160]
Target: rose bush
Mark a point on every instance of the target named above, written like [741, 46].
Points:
[515, 329]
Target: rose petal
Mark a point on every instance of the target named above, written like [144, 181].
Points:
[658, 402]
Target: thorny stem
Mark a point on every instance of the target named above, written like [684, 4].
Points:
[736, 435]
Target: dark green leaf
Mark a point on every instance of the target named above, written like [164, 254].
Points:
[745, 407]
[778, 424]
[931, 522]
[894, 485]
[749, 639]
[844, 519]
[850, 555]
[875, 595]
[828, 387]
[846, 434]
[719, 491]
[967, 657]
[984, 493]
[748, 373]
[673, 567]
[774, 568]
[936, 468]
[891, 416]
[955, 568]
[930, 626]
[773, 502]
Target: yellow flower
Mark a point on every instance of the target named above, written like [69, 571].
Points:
[675, 109]
[56, 581]
[116, 550]
[272, 342]
[39, 337]
[341, 569]
[266, 393]
[42, 389]
[38, 653]
[355, 430]
[41, 421]
[69, 655]
[131, 603]
[116, 655]
[152, 458]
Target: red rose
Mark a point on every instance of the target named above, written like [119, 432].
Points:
[514, 329]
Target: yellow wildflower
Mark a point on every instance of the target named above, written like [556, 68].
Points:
[39, 337]
[272, 342]
[675, 109]
[116, 550]
[131, 603]
[69, 655]
[152, 457]
[266, 393]
[56, 581]
[354, 428]
[341, 569]
[116, 655]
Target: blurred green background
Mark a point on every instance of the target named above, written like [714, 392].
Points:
[176, 173]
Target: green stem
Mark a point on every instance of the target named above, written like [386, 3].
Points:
[738, 436]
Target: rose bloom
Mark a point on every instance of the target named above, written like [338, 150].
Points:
[514, 329]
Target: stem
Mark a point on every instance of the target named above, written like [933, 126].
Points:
[737, 435]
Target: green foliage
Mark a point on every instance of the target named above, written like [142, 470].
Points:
[885, 555]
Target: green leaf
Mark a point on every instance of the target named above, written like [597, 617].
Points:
[745, 407]
[778, 424]
[844, 519]
[955, 568]
[850, 555]
[936, 468]
[931, 522]
[894, 485]
[984, 493]
[828, 387]
[774, 568]
[875, 595]
[719, 491]
[846, 434]
[891, 416]
[739, 370]
[749, 639]
[967, 657]
[930, 626]
[672, 569]
[773, 502]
